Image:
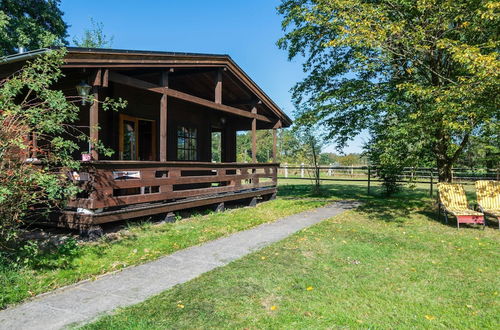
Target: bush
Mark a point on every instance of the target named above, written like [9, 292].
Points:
[29, 107]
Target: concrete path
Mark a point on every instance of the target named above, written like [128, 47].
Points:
[87, 300]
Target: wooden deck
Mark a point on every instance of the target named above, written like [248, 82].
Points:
[119, 190]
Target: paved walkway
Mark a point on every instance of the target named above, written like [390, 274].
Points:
[87, 300]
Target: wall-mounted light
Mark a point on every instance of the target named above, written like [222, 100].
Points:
[83, 90]
[223, 120]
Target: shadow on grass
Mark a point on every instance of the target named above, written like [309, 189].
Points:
[377, 205]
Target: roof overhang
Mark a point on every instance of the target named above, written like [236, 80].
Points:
[117, 58]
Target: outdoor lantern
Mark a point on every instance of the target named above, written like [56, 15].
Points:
[83, 90]
[223, 120]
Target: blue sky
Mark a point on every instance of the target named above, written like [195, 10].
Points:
[246, 30]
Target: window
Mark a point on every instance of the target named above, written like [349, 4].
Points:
[186, 143]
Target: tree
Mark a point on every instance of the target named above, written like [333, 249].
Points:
[350, 160]
[94, 37]
[31, 24]
[431, 64]
[216, 147]
[310, 149]
[264, 146]
[483, 150]
[29, 106]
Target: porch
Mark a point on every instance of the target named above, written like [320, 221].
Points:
[181, 110]
[119, 190]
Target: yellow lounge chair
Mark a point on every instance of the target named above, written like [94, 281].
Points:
[488, 198]
[452, 200]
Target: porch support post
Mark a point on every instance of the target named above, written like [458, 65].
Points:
[254, 136]
[94, 116]
[274, 145]
[218, 87]
[275, 139]
[163, 118]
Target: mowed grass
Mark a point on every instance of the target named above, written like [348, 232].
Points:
[139, 243]
[389, 264]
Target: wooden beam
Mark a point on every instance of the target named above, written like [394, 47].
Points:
[137, 83]
[251, 102]
[97, 78]
[133, 82]
[218, 87]
[254, 137]
[192, 72]
[163, 118]
[105, 78]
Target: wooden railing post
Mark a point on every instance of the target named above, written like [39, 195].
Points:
[302, 170]
[286, 171]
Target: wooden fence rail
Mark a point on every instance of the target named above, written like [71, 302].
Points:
[422, 175]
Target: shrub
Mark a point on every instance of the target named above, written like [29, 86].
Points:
[29, 106]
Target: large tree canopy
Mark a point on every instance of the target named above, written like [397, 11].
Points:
[421, 75]
[31, 24]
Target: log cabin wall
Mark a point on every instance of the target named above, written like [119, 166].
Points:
[146, 105]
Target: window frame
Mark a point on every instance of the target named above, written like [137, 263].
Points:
[188, 148]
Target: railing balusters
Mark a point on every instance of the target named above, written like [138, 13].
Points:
[151, 185]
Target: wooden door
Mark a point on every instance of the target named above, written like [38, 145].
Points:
[137, 138]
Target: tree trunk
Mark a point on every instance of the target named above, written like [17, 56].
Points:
[444, 170]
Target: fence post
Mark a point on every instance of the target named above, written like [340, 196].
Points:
[432, 182]
[286, 171]
[330, 170]
[369, 174]
[302, 170]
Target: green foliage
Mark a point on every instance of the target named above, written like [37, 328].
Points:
[31, 107]
[483, 150]
[216, 147]
[310, 149]
[393, 148]
[94, 37]
[31, 255]
[431, 64]
[32, 24]
[292, 148]
[264, 146]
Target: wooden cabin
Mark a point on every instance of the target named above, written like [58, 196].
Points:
[178, 103]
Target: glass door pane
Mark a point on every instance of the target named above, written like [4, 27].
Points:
[129, 140]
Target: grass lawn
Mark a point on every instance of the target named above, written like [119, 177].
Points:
[137, 244]
[388, 264]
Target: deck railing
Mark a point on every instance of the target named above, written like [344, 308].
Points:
[121, 183]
